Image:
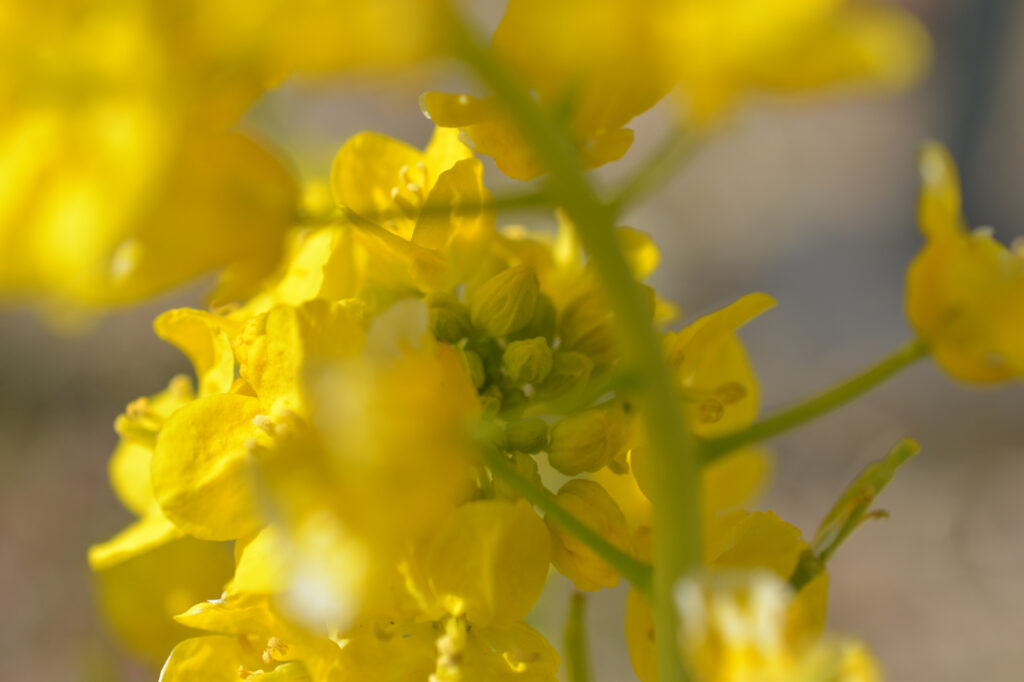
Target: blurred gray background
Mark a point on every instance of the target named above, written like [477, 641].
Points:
[812, 202]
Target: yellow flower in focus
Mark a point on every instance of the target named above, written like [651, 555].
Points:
[964, 290]
[420, 215]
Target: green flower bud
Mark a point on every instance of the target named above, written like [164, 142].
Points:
[449, 319]
[513, 401]
[474, 367]
[588, 326]
[505, 303]
[591, 504]
[527, 362]
[490, 402]
[569, 371]
[526, 466]
[527, 436]
[542, 323]
[587, 441]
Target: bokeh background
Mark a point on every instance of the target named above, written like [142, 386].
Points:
[812, 202]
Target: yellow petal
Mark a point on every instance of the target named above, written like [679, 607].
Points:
[367, 167]
[591, 504]
[509, 653]
[444, 150]
[147, 533]
[735, 480]
[489, 561]
[640, 637]
[129, 467]
[202, 477]
[227, 206]
[140, 597]
[754, 540]
[939, 203]
[206, 339]
[805, 619]
[277, 350]
[261, 565]
[129, 476]
[210, 659]
[445, 210]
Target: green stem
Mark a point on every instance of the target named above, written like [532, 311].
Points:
[577, 660]
[636, 572]
[801, 413]
[674, 459]
[528, 199]
[678, 146]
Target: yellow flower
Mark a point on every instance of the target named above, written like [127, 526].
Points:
[419, 214]
[723, 50]
[719, 387]
[121, 179]
[964, 291]
[734, 629]
[622, 57]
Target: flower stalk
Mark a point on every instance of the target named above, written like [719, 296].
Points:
[674, 459]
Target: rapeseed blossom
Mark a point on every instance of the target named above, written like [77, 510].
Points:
[404, 414]
[965, 291]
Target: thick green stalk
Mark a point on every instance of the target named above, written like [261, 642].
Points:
[801, 413]
[674, 461]
[636, 572]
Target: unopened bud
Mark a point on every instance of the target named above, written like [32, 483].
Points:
[513, 401]
[590, 503]
[587, 441]
[542, 323]
[490, 402]
[449, 319]
[587, 327]
[474, 367]
[527, 435]
[527, 362]
[569, 371]
[505, 303]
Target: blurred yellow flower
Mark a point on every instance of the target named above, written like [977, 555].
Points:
[715, 51]
[734, 629]
[120, 177]
[964, 290]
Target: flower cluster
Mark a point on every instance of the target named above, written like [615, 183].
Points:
[403, 413]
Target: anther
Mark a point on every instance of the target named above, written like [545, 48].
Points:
[137, 408]
[264, 423]
[710, 411]
[731, 392]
